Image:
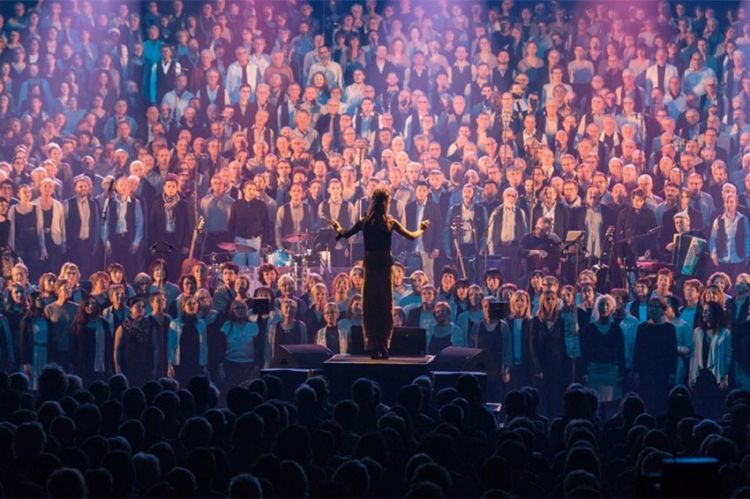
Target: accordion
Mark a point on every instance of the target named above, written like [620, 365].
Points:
[688, 252]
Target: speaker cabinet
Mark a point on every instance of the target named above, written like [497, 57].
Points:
[301, 357]
[463, 359]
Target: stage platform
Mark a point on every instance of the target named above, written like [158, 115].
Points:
[391, 373]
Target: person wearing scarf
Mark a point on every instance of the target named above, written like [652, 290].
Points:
[169, 227]
[603, 354]
[136, 348]
[187, 344]
[91, 342]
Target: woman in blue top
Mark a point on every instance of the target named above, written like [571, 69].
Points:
[242, 346]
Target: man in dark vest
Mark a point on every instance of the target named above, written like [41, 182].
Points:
[242, 107]
[122, 231]
[378, 68]
[83, 226]
[336, 208]
[465, 227]
[428, 246]
[213, 92]
[730, 239]
[163, 75]
[294, 217]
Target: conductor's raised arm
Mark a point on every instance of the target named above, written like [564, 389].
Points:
[408, 234]
[346, 234]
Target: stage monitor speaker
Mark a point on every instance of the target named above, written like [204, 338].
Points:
[462, 359]
[408, 342]
[301, 356]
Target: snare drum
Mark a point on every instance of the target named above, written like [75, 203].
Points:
[279, 258]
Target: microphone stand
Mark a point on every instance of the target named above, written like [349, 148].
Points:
[196, 210]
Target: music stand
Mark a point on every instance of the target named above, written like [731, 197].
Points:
[161, 249]
[574, 247]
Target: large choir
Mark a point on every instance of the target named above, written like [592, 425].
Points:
[172, 182]
[181, 187]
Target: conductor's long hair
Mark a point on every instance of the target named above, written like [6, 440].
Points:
[378, 211]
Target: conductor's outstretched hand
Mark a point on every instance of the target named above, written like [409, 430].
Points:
[335, 225]
[424, 224]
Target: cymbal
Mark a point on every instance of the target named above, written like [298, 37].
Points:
[299, 238]
[232, 247]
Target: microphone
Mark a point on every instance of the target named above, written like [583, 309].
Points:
[655, 230]
[107, 200]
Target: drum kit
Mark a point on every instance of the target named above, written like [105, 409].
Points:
[302, 257]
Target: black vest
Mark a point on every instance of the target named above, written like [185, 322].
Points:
[461, 78]
[73, 223]
[129, 218]
[165, 82]
[739, 237]
[287, 224]
[218, 101]
[419, 81]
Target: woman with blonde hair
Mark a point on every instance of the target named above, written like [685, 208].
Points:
[71, 273]
[519, 323]
[603, 353]
[547, 349]
[714, 293]
[52, 215]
